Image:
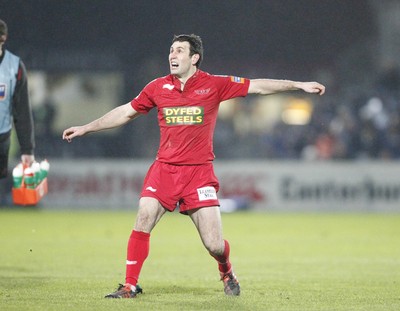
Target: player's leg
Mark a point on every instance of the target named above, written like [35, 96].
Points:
[5, 186]
[209, 225]
[149, 213]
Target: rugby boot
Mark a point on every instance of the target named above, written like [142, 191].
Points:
[125, 291]
[231, 283]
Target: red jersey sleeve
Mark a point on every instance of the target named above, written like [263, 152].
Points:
[231, 87]
[144, 102]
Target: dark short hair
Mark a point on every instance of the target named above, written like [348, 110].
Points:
[196, 45]
[3, 28]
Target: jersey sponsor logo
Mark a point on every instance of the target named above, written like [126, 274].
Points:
[168, 86]
[183, 115]
[202, 92]
[2, 91]
[237, 79]
[207, 193]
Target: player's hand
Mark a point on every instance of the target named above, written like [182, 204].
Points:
[313, 87]
[72, 132]
[27, 159]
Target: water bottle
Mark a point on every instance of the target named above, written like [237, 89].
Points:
[17, 174]
[44, 168]
[29, 178]
[36, 172]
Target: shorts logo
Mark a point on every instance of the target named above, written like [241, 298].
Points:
[2, 91]
[237, 79]
[207, 193]
[183, 115]
[151, 189]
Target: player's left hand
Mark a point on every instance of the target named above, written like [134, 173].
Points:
[72, 132]
[313, 87]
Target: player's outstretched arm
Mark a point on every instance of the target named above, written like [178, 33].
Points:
[270, 86]
[114, 118]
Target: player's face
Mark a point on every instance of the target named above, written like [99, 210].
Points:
[3, 38]
[181, 63]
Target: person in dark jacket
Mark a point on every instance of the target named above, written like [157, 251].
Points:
[15, 109]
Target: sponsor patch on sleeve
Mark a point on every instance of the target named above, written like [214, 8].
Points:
[207, 193]
[237, 79]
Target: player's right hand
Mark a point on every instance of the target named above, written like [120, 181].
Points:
[72, 132]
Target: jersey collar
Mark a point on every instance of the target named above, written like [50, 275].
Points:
[177, 83]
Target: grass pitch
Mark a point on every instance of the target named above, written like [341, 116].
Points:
[68, 260]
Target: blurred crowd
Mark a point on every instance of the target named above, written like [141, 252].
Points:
[357, 124]
[353, 123]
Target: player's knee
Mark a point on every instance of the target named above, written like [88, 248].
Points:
[147, 217]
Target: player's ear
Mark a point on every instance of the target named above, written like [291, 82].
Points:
[195, 58]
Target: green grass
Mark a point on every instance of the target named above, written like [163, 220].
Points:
[68, 260]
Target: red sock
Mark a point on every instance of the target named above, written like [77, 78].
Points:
[138, 250]
[224, 264]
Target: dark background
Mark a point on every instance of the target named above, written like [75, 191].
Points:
[240, 36]
[332, 41]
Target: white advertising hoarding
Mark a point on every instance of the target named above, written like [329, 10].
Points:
[259, 185]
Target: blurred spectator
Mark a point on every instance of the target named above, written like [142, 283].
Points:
[45, 115]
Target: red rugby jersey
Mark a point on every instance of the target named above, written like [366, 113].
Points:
[187, 118]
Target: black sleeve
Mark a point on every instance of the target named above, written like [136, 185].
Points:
[22, 112]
